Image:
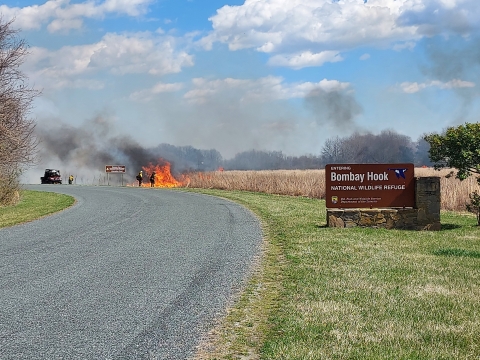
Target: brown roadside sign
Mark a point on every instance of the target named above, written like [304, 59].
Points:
[120, 169]
[369, 185]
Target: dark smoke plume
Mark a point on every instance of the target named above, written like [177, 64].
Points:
[336, 109]
[91, 146]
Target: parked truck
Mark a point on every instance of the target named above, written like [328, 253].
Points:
[51, 176]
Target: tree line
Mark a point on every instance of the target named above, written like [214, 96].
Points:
[386, 147]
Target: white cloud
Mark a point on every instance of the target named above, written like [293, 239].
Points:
[139, 53]
[259, 90]
[287, 23]
[118, 54]
[304, 59]
[365, 57]
[163, 87]
[64, 25]
[410, 45]
[413, 87]
[129, 7]
[63, 15]
[317, 26]
[148, 94]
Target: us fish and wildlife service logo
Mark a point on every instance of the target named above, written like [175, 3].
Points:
[334, 199]
[399, 172]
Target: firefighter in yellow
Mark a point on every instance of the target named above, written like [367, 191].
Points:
[140, 178]
[70, 179]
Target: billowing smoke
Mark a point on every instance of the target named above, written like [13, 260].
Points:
[85, 150]
[335, 109]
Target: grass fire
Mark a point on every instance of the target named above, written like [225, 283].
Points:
[159, 175]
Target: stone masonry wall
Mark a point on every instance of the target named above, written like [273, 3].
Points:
[424, 216]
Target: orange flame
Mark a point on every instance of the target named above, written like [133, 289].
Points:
[163, 176]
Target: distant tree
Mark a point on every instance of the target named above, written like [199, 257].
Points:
[458, 148]
[358, 148]
[17, 141]
[188, 158]
[334, 151]
[257, 160]
[304, 162]
[390, 147]
[386, 147]
[421, 153]
[208, 160]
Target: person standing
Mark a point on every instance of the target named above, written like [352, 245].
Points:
[152, 180]
[140, 178]
[70, 179]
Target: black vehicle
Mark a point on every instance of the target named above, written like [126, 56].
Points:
[51, 176]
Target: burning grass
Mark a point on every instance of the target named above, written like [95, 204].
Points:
[311, 184]
[162, 176]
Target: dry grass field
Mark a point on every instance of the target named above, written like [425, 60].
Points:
[311, 183]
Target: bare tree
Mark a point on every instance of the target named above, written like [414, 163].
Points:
[17, 141]
[333, 151]
[386, 147]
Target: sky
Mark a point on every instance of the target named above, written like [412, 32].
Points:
[273, 75]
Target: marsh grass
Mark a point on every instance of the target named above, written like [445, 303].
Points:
[308, 183]
[33, 205]
[326, 293]
[311, 183]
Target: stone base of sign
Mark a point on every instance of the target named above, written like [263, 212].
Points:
[406, 219]
[425, 215]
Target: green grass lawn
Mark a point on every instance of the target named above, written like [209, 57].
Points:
[33, 205]
[326, 293]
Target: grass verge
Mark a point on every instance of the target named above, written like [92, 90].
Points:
[33, 205]
[325, 293]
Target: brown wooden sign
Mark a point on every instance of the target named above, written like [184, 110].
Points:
[119, 169]
[369, 185]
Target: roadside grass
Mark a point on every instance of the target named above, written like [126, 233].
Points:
[33, 205]
[327, 293]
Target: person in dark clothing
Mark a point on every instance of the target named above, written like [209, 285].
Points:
[152, 180]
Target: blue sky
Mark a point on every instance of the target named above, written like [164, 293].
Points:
[281, 75]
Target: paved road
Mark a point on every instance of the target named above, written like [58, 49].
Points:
[126, 273]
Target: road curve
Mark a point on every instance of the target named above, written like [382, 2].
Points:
[126, 273]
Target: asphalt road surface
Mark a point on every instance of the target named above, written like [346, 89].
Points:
[126, 273]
